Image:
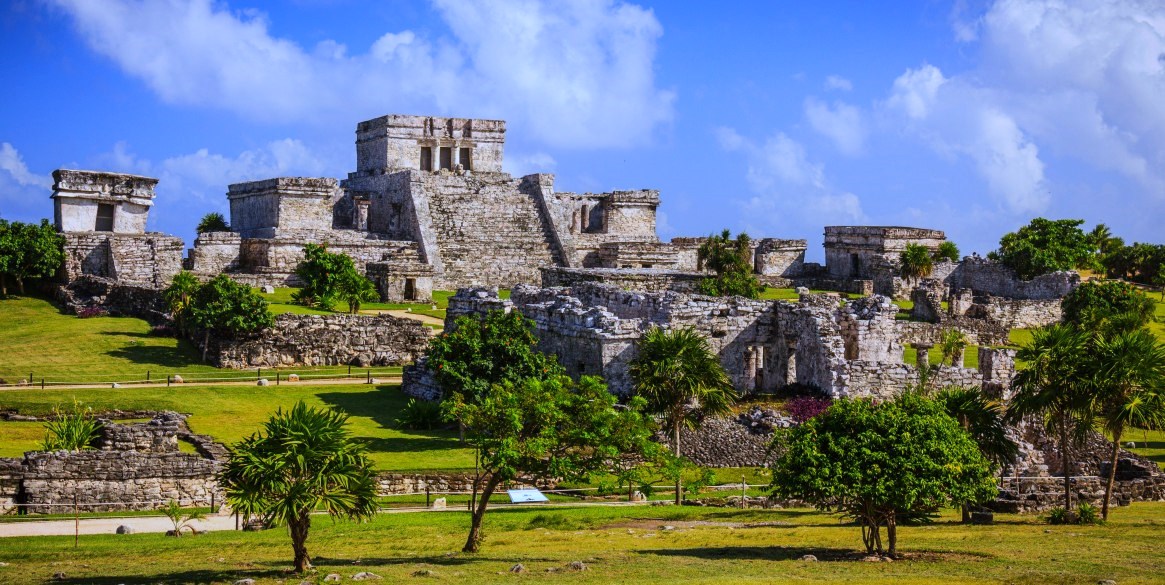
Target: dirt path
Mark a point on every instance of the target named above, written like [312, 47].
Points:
[414, 316]
[383, 379]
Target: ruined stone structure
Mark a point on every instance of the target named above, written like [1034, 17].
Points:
[102, 217]
[132, 467]
[872, 252]
[840, 348]
[325, 340]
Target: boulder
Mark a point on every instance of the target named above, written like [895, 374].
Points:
[123, 529]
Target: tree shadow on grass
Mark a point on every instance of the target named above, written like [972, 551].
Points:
[194, 576]
[182, 356]
[382, 403]
[757, 553]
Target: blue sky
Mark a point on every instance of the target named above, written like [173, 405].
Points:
[773, 117]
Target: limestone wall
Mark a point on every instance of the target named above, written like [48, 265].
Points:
[136, 259]
[119, 300]
[988, 277]
[263, 208]
[640, 279]
[214, 253]
[77, 196]
[395, 141]
[785, 258]
[318, 340]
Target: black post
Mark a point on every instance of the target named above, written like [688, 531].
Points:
[258, 373]
[276, 377]
[167, 380]
[349, 370]
[369, 376]
[76, 522]
[42, 383]
[147, 375]
[426, 495]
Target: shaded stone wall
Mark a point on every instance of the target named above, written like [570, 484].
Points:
[263, 209]
[784, 258]
[639, 279]
[120, 300]
[988, 277]
[318, 340]
[137, 259]
[857, 251]
[214, 253]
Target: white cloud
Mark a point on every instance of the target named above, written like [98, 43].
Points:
[23, 194]
[575, 74]
[520, 165]
[13, 164]
[914, 92]
[837, 82]
[841, 123]
[787, 185]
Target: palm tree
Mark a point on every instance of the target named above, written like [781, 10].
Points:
[984, 419]
[952, 344]
[681, 379]
[916, 262]
[303, 460]
[1128, 369]
[178, 295]
[1053, 387]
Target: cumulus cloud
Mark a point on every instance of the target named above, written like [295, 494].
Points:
[573, 74]
[840, 122]
[23, 194]
[837, 82]
[787, 185]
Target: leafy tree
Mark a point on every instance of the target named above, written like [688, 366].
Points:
[882, 463]
[1128, 380]
[952, 345]
[480, 352]
[947, 250]
[1053, 387]
[180, 518]
[228, 309]
[1139, 262]
[72, 430]
[1044, 246]
[1110, 303]
[354, 288]
[548, 428]
[212, 222]
[731, 260]
[1159, 280]
[28, 251]
[303, 460]
[681, 380]
[984, 419]
[178, 296]
[915, 262]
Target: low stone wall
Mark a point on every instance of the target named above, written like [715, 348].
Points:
[1017, 313]
[11, 477]
[725, 442]
[638, 279]
[420, 382]
[117, 298]
[149, 260]
[992, 278]
[886, 381]
[1039, 494]
[325, 340]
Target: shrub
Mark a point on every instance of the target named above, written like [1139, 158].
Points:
[731, 260]
[180, 518]
[213, 222]
[803, 408]
[90, 312]
[947, 251]
[420, 415]
[1058, 515]
[1088, 514]
[1094, 303]
[915, 261]
[71, 430]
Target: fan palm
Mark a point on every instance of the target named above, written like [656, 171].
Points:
[681, 380]
[1053, 387]
[983, 419]
[916, 262]
[1128, 370]
[303, 460]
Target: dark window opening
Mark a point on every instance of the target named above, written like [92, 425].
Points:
[104, 217]
[410, 289]
[426, 158]
[464, 159]
[855, 265]
[647, 266]
[446, 158]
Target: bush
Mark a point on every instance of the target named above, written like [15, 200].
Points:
[1093, 303]
[1044, 246]
[421, 415]
[73, 430]
[213, 222]
[947, 251]
[1088, 514]
[90, 312]
[1058, 515]
[803, 408]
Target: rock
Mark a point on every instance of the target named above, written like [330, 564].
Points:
[245, 582]
[1106, 582]
[872, 559]
[577, 566]
[423, 573]
[268, 289]
[59, 577]
[809, 558]
[438, 504]
[171, 533]
[638, 496]
[293, 377]
[366, 576]
[553, 569]
[518, 568]
[123, 529]
[115, 385]
[176, 379]
[264, 382]
[668, 527]
[333, 578]
[982, 517]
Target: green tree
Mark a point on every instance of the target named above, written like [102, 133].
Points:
[354, 288]
[984, 419]
[178, 296]
[1044, 246]
[479, 352]
[1128, 381]
[882, 463]
[1159, 280]
[1110, 303]
[28, 251]
[212, 222]
[1053, 388]
[952, 344]
[227, 309]
[731, 260]
[947, 250]
[549, 428]
[682, 380]
[303, 460]
[915, 262]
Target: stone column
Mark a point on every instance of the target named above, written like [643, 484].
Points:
[922, 352]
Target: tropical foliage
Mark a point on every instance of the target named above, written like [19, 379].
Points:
[681, 380]
[479, 352]
[71, 430]
[302, 461]
[181, 518]
[952, 344]
[212, 222]
[178, 296]
[1044, 246]
[546, 428]
[882, 464]
[915, 262]
[1110, 303]
[731, 260]
[947, 250]
[1140, 263]
[28, 251]
[227, 309]
[328, 276]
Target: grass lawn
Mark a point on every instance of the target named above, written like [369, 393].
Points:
[790, 294]
[935, 354]
[35, 337]
[280, 302]
[229, 413]
[618, 545]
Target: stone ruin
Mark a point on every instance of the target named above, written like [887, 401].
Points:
[137, 466]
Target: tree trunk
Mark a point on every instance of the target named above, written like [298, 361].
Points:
[20, 285]
[3, 286]
[474, 540]
[205, 344]
[299, 528]
[1116, 448]
[679, 472]
[1066, 462]
[966, 513]
[892, 535]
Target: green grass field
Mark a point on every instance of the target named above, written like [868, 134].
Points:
[618, 545]
[229, 413]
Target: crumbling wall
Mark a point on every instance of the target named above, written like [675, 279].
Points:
[136, 259]
[214, 253]
[318, 340]
[784, 258]
[119, 300]
[638, 279]
[987, 277]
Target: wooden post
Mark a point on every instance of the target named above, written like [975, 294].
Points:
[76, 522]
[277, 374]
[258, 373]
[426, 495]
[42, 383]
[167, 380]
[369, 376]
[147, 375]
[743, 491]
